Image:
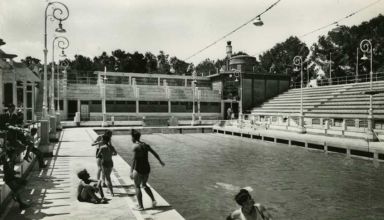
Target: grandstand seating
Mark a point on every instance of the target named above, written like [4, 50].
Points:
[152, 93]
[335, 101]
[145, 93]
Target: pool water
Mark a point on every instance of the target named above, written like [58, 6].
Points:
[203, 172]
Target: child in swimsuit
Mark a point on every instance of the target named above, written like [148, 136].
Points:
[86, 191]
[105, 153]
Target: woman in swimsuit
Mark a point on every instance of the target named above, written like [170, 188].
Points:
[105, 153]
[140, 168]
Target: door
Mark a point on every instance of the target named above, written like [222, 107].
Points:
[84, 112]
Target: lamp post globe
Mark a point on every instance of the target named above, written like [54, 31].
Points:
[60, 12]
[366, 48]
[298, 62]
[62, 43]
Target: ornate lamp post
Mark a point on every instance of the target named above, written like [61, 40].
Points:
[103, 104]
[60, 12]
[366, 47]
[64, 65]
[62, 43]
[193, 97]
[298, 61]
[330, 68]
[357, 66]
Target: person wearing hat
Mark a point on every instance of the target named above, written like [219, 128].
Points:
[140, 168]
[249, 209]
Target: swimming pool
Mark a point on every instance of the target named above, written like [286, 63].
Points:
[203, 172]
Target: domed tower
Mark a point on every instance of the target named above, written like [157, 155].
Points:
[243, 63]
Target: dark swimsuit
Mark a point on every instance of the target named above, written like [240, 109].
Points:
[141, 157]
[107, 163]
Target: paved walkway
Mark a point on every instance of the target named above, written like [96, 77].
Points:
[53, 190]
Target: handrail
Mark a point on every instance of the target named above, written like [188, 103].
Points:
[378, 138]
[379, 76]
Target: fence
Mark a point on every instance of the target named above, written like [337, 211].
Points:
[379, 76]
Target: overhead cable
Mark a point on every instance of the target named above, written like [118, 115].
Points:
[341, 19]
[233, 31]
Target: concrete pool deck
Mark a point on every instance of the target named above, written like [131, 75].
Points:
[52, 191]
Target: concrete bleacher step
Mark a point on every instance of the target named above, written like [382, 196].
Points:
[338, 100]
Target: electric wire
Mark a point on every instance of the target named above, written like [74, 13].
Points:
[341, 19]
[233, 31]
[336, 22]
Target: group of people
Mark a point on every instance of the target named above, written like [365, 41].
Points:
[17, 137]
[140, 169]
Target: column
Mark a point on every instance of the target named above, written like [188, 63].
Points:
[137, 106]
[65, 108]
[222, 109]
[1, 91]
[25, 100]
[33, 99]
[14, 90]
[78, 105]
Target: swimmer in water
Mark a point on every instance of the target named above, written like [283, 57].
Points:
[249, 209]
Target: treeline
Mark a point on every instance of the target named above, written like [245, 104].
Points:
[338, 48]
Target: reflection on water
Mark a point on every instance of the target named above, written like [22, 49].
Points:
[203, 172]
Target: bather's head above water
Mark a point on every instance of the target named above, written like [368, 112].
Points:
[244, 199]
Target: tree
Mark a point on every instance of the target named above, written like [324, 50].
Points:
[138, 62]
[163, 63]
[206, 67]
[82, 63]
[279, 59]
[122, 60]
[150, 62]
[343, 42]
[180, 67]
[104, 61]
[31, 62]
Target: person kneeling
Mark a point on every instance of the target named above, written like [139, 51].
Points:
[87, 189]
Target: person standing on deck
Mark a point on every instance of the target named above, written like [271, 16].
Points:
[229, 113]
[98, 143]
[105, 153]
[140, 168]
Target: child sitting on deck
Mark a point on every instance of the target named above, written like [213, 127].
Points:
[86, 191]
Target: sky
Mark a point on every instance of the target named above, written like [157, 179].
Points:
[178, 27]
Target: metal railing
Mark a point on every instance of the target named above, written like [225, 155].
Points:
[379, 76]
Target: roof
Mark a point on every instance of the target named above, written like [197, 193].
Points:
[23, 73]
[4, 55]
[4, 65]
